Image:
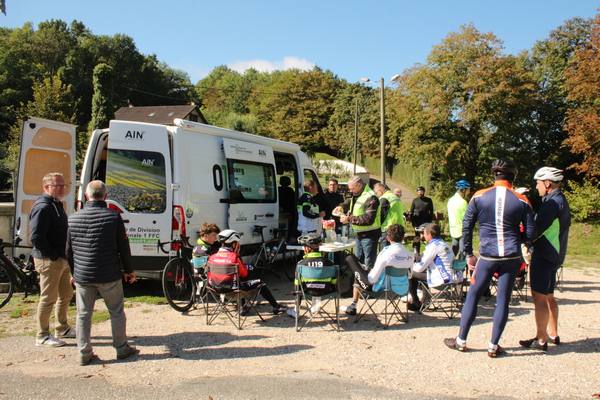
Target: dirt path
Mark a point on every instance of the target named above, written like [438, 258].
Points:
[183, 358]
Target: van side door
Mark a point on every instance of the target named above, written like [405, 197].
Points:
[46, 146]
[138, 179]
[252, 189]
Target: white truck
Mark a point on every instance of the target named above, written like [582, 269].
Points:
[166, 180]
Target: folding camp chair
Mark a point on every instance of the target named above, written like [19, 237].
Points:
[223, 286]
[309, 284]
[447, 297]
[391, 291]
[520, 287]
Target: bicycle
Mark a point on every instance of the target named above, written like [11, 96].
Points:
[16, 273]
[269, 252]
[181, 287]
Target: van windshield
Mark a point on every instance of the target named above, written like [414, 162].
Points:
[251, 182]
[136, 180]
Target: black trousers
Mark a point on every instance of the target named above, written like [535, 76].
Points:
[413, 285]
[361, 272]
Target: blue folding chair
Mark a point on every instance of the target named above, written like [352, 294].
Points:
[447, 297]
[312, 282]
[390, 288]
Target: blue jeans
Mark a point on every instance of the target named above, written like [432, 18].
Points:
[112, 293]
[365, 250]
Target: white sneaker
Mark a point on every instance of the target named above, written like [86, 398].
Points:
[316, 306]
[49, 341]
[291, 312]
[68, 334]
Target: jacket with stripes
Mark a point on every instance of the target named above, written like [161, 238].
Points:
[500, 211]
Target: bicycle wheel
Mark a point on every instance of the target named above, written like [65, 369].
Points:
[178, 284]
[7, 284]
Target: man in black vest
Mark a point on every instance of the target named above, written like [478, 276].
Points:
[97, 248]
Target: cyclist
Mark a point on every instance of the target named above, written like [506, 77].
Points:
[309, 216]
[435, 266]
[392, 210]
[229, 254]
[313, 258]
[500, 210]
[206, 245]
[552, 223]
[457, 207]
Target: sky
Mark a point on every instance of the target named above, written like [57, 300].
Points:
[353, 39]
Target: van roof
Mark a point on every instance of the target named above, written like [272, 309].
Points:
[218, 131]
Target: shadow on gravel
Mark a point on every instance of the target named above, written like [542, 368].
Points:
[583, 346]
[201, 346]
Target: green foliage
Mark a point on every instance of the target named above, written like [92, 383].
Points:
[52, 99]
[102, 110]
[147, 299]
[584, 200]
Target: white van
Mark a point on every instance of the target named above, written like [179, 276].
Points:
[167, 180]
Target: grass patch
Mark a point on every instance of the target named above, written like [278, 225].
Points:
[156, 300]
[583, 240]
[100, 316]
[19, 312]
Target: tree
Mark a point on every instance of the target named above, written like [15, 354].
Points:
[461, 109]
[52, 99]
[583, 116]
[102, 108]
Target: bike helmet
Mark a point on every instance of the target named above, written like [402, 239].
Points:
[310, 240]
[463, 184]
[420, 189]
[421, 227]
[522, 190]
[229, 236]
[504, 167]
[548, 174]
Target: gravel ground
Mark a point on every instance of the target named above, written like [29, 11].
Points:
[183, 358]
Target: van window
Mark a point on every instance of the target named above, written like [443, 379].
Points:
[251, 182]
[137, 180]
[309, 175]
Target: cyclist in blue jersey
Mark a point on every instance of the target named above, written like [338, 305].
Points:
[552, 223]
[499, 210]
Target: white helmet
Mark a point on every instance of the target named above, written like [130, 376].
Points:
[548, 174]
[229, 236]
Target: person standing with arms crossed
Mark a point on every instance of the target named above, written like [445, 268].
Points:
[552, 223]
[500, 210]
[362, 211]
[97, 247]
[421, 212]
[48, 226]
[457, 207]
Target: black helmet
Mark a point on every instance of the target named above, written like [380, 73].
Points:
[504, 167]
[310, 240]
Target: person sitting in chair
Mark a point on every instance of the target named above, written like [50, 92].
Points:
[313, 258]
[436, 261]
[394, 255]
[229, 254]
[206, 245]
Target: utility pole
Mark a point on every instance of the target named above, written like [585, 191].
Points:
[355, 133]
[382, 138]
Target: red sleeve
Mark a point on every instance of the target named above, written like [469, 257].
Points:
[242, 268]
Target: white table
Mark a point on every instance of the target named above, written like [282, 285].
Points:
[337, 246]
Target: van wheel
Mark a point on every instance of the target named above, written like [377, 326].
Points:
[179, 286]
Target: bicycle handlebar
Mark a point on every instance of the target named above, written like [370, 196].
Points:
[184, 241]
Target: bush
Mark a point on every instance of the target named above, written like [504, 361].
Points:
[584, 200]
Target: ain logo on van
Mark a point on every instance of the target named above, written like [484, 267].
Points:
[135, 135]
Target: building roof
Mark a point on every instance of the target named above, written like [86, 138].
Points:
[158, 114]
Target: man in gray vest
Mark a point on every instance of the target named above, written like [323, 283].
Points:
[97, 249]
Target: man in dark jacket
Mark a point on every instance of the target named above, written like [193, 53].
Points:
[48, 225]
[421, 212]
[97, 248]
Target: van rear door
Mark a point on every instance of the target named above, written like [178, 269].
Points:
[46, 146]
[252, 188]
[138, 178]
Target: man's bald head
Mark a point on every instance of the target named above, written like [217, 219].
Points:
[96, 190]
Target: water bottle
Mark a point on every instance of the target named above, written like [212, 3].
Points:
[345, 230]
